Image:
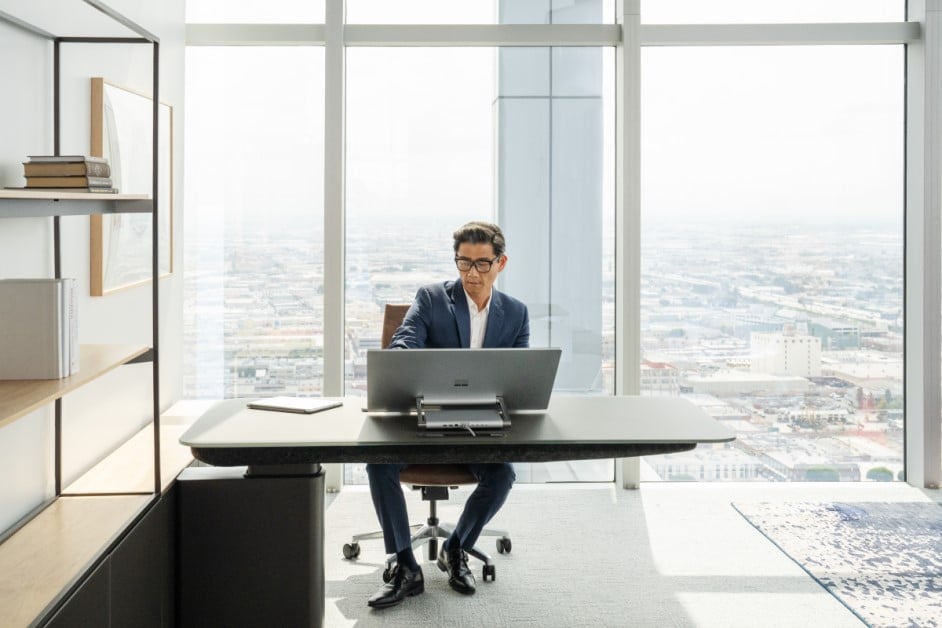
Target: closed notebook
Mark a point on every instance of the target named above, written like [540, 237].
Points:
[302, 405]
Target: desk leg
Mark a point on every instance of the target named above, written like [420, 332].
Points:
[251, 546]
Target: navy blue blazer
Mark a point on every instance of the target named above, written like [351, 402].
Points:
[439, 319]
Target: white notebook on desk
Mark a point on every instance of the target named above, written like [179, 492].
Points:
[301, 405]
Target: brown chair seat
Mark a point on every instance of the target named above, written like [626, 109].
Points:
[437, 475]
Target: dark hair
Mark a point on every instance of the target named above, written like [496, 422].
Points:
[481, 233]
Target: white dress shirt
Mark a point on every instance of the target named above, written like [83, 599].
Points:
[478, 321]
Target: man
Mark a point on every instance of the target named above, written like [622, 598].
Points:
[467, 312]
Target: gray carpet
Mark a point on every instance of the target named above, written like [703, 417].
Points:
[543, 582]
[881, 560]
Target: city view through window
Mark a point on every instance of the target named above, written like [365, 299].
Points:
[771, 247]
[772, 256]
[792, 338]
[826, 402]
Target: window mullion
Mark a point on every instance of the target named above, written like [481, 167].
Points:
[487, 35]
[334, 232]
[923, 262]
[255, 34]
[873, 33]
[628, 219]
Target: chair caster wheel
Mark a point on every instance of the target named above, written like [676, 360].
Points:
[503, 545]
[490, 571]
[388, 573]
[351, 550]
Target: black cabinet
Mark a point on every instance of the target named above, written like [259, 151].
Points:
[243, 564]
[133, 587]
[142, 571]
[90, 604]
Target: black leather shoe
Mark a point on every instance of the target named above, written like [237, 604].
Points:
[455, 562]
[405, 583]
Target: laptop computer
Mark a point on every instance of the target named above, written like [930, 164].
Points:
[460, 388]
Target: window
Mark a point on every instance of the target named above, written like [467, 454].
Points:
[254, 222]
[522, 137]
[772, 195]
[758, 165]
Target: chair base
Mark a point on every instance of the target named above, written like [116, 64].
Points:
[429, 534]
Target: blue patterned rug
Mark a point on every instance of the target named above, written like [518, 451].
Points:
[883, 561]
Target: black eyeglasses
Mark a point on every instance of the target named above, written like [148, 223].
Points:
[481, 265]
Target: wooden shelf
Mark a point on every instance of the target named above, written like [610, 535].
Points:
[20, 397]
[38, 203]
[45, 557]
[130, 467]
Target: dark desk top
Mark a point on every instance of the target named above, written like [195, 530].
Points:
[572, 428]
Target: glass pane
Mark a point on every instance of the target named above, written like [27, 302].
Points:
[254, 254]
[770, 11]
[252, 11]
[480, 12]
[772, 256]
[439, 137]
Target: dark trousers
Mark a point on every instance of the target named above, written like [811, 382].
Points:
[494, 482]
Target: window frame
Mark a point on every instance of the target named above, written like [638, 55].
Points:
[921, 34]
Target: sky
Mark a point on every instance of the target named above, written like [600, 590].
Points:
[807, 133]
[803, 132]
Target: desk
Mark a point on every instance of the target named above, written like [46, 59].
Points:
[265, 531]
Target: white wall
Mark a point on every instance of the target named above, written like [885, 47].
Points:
[105, 413]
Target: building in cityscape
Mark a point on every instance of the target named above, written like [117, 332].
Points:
[659, 379]
[785, 353]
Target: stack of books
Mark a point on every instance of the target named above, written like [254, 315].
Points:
[68, 173]
[39, 330]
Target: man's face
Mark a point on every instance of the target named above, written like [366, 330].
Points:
[476, 283]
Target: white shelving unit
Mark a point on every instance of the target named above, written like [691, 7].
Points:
[18, 398]
[57, 562]
[55, 550]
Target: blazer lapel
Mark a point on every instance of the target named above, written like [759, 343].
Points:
[495, 321]
[459, 304]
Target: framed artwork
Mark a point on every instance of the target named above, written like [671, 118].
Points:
[121, 131]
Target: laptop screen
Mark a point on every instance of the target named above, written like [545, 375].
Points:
[522, 377]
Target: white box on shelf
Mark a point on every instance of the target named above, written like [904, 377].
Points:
[35, 328]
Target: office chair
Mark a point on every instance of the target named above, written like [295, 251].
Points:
[433, 480]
